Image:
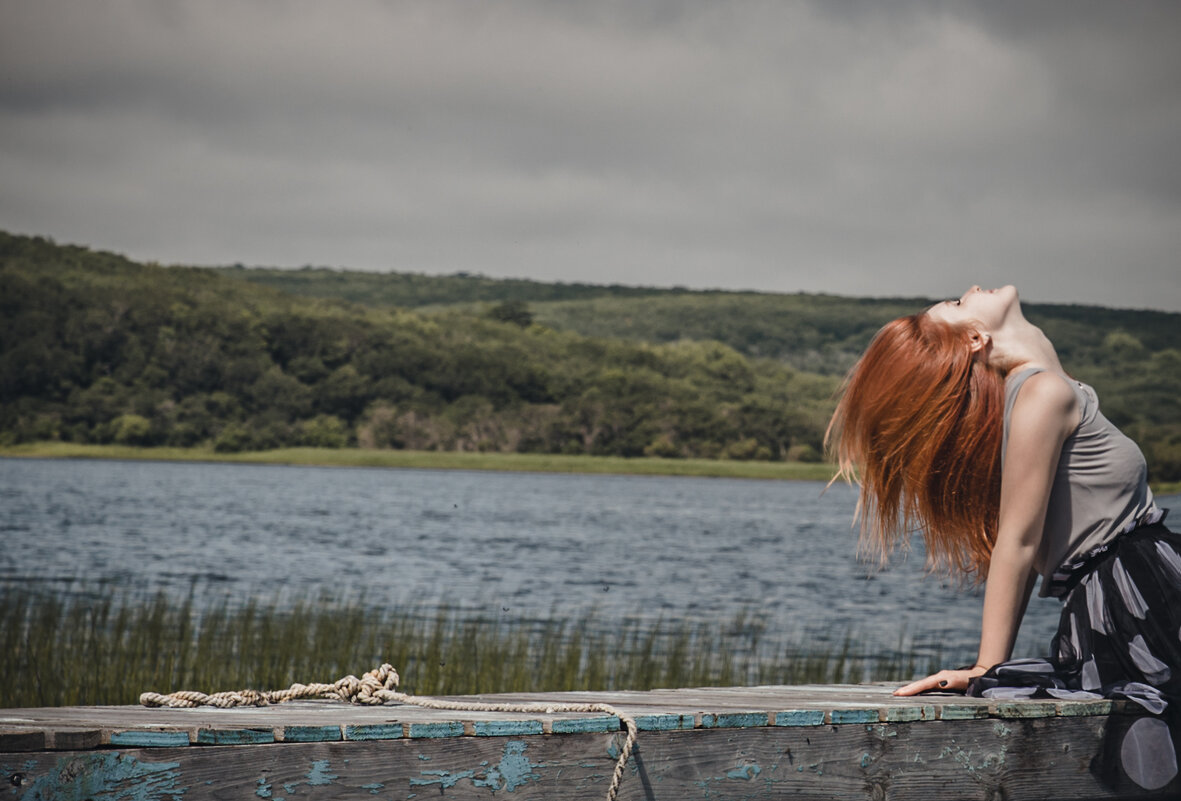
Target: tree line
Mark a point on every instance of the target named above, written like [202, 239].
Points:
[97, 348]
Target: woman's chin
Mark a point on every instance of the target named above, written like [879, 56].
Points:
[1009, 292]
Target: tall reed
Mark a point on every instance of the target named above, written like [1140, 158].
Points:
[100, 649]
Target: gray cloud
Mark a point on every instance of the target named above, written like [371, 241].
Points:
[836, 147]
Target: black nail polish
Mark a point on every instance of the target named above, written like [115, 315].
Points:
[943, 683]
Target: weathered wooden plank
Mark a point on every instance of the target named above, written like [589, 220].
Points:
[435, 730]
[507, 728]
[658, 710]
[585, 725]
[310, 734]
[961, 711]
[1026, 709]
[376, 731]
[799, 717]
[1072, 708]
[75, 739]
[235, 736]
[909, 714]
[1013, 759]
[855, 715]
[682, 752]
[733, 720]
[22, 740]
[665, 721]
[148, 739]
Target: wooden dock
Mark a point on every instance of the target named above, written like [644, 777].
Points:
[823, 742]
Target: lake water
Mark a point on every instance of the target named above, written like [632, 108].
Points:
[520, 545]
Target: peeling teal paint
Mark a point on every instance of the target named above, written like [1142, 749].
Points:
[515, 767]
[513, 770]
[320, 774]
[445, 779]
[377, 731]
[507, 728]
[734, 720]
[746, 772]
[973, 712]
[151, 739]
[311, 734]
[866, 760]
[1026, 709]
[909, 714]
[424, 757]
[984, 762]
[235, 736]
[585, 725]
[264, 788]
[7, 770]
[1084, 708]
[431, 730]
[99, 774]
[663, 722]
[854, 716]
[374, 788]
[800, 717]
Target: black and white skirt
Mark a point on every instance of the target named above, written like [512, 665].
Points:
[1119, 637]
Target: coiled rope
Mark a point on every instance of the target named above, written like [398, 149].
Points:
[379, 686]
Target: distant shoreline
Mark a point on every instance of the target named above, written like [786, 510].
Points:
[456, 460]
[438, 460]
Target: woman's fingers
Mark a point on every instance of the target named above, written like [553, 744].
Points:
[920, 686]
[948, 680]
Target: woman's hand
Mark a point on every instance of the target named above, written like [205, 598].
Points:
[943, 681]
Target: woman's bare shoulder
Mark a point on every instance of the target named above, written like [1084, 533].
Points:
[1046, 396]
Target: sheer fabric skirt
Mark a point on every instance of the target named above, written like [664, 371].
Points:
[1119, 637]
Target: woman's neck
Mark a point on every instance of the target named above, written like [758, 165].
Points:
[1020, 345]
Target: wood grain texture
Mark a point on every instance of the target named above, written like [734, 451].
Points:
[847, 742]
[1021, 758]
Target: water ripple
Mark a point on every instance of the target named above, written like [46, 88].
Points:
[698, 550]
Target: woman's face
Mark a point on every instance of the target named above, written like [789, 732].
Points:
[984, 308]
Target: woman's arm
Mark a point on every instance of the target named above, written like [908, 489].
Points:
[1044, 415]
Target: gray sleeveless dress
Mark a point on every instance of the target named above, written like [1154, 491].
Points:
[1117, 569]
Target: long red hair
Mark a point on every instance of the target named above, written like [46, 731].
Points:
[919, 426]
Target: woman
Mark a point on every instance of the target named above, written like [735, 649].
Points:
[960, 422]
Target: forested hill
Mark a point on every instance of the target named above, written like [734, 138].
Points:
[1131, 357]
[818, 333]
[94, 347]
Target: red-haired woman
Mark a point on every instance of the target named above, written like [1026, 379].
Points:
[960, 422]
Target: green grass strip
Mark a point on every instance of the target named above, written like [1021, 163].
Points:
[451, 460]
[438, 460]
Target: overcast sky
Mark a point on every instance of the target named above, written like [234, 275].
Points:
[876, 148]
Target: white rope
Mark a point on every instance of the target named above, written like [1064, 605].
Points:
[379, 686]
